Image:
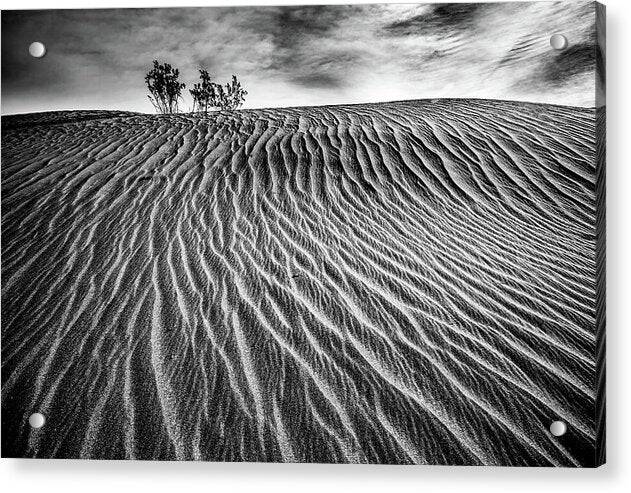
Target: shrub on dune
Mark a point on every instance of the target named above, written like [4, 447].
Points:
[164, 87]
[204, 92]
[234, 95]
[208, 95]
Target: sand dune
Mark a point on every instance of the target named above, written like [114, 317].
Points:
[408, 282]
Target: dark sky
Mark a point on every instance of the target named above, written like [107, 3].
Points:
[294, 56]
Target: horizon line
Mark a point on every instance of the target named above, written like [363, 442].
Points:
[595, 106]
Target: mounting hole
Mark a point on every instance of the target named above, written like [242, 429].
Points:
[37, 49]
[36, 420]
[558, 41]
[558, 428]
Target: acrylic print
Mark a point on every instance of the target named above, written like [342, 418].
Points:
[339, 234]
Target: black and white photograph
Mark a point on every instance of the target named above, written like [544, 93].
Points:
[341, 234]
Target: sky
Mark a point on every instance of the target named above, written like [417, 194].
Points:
[304, 56]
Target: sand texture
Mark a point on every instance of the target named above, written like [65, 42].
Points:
[410, 282]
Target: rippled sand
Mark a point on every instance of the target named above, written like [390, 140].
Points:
[408, 282]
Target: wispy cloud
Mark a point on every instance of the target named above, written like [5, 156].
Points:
[303, 55]
[440, 19]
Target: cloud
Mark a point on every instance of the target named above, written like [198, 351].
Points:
[574, 60]
[439, 19]
[318, 80]
[294, 25]
[301, 55]
[306, 45]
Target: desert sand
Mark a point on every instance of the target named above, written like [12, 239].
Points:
[409, 282]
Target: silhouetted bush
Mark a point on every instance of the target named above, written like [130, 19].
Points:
[164, 87]
[204, 93]
[207, 94]
[234, 95]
